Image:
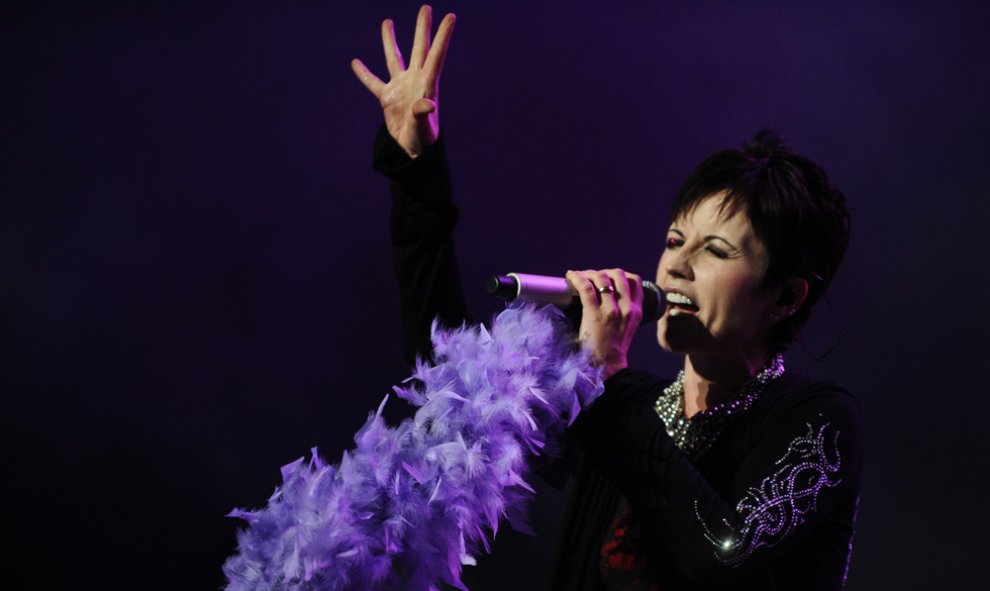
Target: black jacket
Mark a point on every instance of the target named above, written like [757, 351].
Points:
[771, 505]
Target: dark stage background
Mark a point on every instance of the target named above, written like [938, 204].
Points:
[196, 281]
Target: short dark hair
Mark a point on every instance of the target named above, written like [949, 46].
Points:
[794, 209]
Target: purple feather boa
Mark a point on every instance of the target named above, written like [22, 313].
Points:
[409, 505]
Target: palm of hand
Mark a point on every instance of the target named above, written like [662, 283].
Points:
[409, 99]
[410, 108]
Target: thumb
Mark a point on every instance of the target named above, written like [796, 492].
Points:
[424, 106]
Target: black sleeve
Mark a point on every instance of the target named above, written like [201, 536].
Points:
[422, 223]
[806, 458]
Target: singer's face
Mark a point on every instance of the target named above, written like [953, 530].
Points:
[714, 260]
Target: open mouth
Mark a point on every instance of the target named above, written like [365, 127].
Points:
[680, 304]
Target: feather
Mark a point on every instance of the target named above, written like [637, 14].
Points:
[410, 505]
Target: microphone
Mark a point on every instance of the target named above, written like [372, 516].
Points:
[556, 290]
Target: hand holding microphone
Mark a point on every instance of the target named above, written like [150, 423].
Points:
[606, 306]
[557, 290]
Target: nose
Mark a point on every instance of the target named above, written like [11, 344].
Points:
[677, 263]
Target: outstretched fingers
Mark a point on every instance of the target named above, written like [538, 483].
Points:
[421, 42]
[371, 82]
[393, 57]
[438, 52]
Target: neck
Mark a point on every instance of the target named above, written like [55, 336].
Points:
[710, 379]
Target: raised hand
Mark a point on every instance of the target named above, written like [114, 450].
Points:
[410, 98]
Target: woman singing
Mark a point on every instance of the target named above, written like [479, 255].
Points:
[736, 474]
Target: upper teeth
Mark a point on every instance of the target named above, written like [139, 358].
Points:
[677, 298]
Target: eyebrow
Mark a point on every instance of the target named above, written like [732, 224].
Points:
[707, 238]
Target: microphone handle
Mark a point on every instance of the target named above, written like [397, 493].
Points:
[556, 290]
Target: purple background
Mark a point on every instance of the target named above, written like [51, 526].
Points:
[195, 277]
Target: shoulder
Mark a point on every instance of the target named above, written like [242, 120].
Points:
[796, 404]
[796, 393]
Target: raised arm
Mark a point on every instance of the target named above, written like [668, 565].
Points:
[409, 150]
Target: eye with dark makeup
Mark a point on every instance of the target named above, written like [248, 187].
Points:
[718, 252]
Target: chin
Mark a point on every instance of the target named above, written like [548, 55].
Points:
[663, 338]
[687, 336]
[672, 348]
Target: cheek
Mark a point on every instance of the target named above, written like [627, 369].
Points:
[742, 304]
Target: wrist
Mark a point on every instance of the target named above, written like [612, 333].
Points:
[614, 366]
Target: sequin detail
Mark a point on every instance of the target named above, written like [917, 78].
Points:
[772, 510]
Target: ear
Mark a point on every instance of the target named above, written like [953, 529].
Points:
[793, 293]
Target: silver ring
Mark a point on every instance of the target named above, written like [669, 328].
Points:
[605, 289]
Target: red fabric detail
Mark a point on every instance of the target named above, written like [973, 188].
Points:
[622, 563]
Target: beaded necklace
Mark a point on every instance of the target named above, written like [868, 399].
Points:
[696, 434]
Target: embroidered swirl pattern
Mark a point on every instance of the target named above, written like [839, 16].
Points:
[772, 510]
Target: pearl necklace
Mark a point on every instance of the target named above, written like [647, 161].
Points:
[696, 434]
